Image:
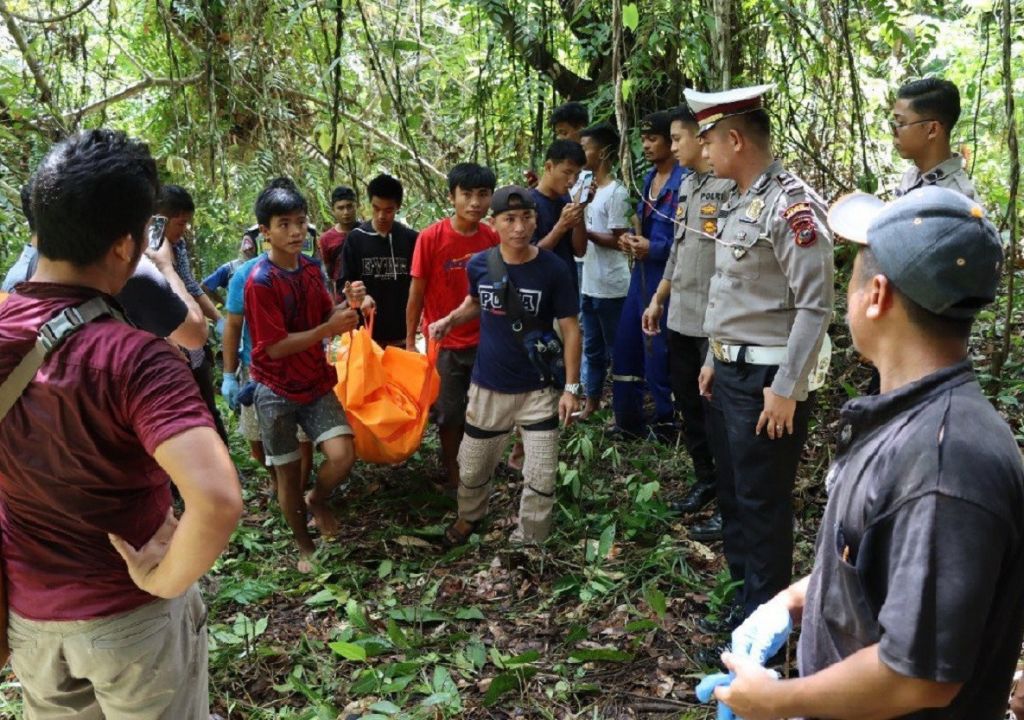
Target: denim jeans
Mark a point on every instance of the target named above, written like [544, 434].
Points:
[600, 323]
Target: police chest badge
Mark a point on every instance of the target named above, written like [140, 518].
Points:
[800, 218]
[754, 209]
[680, 210]
[710, 227]
[708, 209]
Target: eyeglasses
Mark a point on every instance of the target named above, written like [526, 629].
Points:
[896, 128]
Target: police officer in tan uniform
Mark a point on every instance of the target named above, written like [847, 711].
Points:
[923, 117]
[769, 306]
[691, 262]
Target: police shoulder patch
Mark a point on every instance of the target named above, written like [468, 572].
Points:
[800, 218]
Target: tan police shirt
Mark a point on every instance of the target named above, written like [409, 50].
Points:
[773, 281]
[948, 174]
[691, 261]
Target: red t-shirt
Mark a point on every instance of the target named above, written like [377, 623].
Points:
[440, 259]
[76, 456]
[280, 302]
[330, 251]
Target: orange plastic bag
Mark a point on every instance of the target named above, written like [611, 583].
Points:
[386, 394]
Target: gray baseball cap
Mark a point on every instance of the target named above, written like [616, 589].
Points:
[511, 197]
[934, 244]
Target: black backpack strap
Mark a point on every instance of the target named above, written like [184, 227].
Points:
[497, 270]
[51, 335]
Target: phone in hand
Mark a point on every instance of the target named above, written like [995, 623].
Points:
[157, 226]
[580, 192]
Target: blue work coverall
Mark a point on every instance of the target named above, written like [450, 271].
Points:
[638, 359]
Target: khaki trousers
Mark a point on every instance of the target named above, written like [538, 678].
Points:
[146, 664]
[490, 417]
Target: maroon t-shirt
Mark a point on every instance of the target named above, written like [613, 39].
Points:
[330, 251]
[76, 456]
[280, 302]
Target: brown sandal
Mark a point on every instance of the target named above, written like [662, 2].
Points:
[453, 537]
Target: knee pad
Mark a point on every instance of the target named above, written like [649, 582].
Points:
[477, 459]
[540, 466]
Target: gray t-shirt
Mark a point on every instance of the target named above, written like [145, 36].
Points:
[921, 549]
[147, 297]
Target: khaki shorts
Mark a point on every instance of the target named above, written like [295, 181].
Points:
[248, 422]
[146, 664]
[280, 418]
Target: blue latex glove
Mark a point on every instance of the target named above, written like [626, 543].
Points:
[706, 689]
[219, 327]
[763, 633]
[229, 389]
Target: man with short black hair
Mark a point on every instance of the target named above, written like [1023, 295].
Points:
[568, 121]
[688, 271]
[912, 609]
[175, 203]
[605, 276]
[439, 285]
[344, 208]
[379, 254]
[515, 377]
[106, 618]
[640, 363]
[559, 219]
[923, 118]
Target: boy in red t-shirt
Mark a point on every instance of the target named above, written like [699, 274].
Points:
[439, 285]
[344, 208]
[290, 315]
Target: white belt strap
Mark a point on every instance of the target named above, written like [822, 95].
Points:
[761, 355]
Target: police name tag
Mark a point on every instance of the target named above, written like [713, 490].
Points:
[819, 373]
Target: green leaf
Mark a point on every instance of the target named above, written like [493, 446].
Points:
[641, 626]
[627, 88]
[604, 546]
[656, 599]
[506, 682]
[470, 613]
[384, 569]
[388, 708]
[349, 651]
[418, 615]
[529, 656]
[647, 491]
[356, 615]
[630, 16]
[602, 655]
[396, 635]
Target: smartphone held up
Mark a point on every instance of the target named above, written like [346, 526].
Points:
[157, 228]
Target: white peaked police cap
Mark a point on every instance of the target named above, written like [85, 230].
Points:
[851, 215]
[713, 107]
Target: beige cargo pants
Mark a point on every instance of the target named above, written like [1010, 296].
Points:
[146, 664]
[490, 417]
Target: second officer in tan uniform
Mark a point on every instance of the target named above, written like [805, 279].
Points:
[769, 306]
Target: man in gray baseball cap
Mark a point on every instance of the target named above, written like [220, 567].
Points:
[914, 600]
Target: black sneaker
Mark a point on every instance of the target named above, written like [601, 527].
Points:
[721, 624]
[708, 531]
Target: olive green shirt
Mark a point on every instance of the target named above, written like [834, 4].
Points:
[773, 281]
[691, 261]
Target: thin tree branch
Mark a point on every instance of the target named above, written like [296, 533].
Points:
[131, 91]
[54, 18]
[45, 92]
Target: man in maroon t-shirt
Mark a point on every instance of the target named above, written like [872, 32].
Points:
[105, 617]
[344, 209]
[439, 285]
[290, 315]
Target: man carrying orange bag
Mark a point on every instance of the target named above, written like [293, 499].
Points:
[522, 375]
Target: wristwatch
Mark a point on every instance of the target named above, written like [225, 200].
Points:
[573, 389]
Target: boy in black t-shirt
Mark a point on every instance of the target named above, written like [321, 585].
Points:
[560, 226]
[379, 253]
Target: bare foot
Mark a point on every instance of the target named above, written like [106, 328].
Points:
[305, 564]
[323, 518]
